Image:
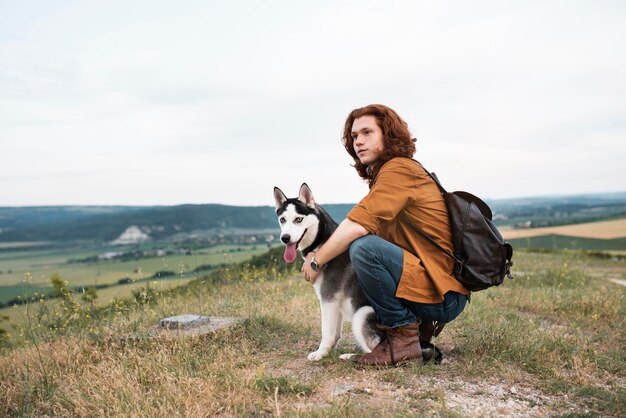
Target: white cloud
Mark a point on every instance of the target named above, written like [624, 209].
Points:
[218, 102]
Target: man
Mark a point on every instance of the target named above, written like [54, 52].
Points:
[408, 282]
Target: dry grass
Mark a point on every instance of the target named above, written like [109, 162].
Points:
[599, 230]
[551, 342]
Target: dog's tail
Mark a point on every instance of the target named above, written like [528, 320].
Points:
[364, 329]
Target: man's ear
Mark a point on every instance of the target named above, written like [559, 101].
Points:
[306, 196]
[279, 197]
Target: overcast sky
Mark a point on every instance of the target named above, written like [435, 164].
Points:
[161, 102]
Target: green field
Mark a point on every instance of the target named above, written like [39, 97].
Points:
[563, 242]
[42, 264]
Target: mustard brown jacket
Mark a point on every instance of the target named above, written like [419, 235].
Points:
[402, 195]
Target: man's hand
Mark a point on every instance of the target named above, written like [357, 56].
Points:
[339, 241]
[310, 275]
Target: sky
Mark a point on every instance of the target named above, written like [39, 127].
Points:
[163, 103]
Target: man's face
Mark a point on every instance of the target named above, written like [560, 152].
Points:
[367, 140]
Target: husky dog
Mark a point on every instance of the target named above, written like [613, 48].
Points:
[305, 226]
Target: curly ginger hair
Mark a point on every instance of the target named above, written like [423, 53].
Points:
[396, 136]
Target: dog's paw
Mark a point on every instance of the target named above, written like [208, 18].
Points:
[347, 356]
[317, 355]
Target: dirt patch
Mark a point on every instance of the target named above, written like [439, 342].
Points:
[503, 399]
[414, 390]
[427, 395]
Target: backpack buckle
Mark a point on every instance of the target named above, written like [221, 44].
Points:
[508, 266]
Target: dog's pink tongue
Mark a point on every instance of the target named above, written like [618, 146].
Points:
[290, 253]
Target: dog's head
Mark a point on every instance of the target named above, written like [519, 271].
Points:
[298, 220]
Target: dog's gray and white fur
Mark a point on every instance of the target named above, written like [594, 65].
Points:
[306, 226]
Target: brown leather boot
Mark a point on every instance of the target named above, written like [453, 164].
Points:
[399, 345]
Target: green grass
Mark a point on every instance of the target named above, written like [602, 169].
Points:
[560, 242]
[19, 290]
[281, 385]
[22, 245]
[550, 342]
[41, 265]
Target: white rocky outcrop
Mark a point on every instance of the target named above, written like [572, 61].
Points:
[132, 235]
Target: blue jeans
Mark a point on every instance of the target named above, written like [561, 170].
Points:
[378, 266]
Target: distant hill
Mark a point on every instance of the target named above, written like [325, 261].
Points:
[598, 199]
[558, 210]
[102, 223]
[107, 223]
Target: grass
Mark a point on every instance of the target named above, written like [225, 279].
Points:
[549, 342]
[42, 264]
[557, 242]
[22, 245]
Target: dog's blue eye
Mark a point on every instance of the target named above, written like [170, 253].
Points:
[298, 220]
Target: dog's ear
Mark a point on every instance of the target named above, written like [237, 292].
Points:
[279, 197]
[306, 196]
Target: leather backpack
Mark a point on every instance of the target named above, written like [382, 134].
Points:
[482, 258]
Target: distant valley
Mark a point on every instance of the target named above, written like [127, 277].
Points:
[232, 224]
[116, 249]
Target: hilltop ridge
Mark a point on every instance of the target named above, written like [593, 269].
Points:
[108, 223]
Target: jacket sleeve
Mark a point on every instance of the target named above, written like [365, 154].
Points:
[393, 190]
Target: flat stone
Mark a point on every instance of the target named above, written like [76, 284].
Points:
[341, 389]
[208, 326]
[184, 321]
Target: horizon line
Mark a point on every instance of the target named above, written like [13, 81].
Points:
[44, 205]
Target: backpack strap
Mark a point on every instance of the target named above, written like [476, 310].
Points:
[432, 176]
[433, 242]
[459, 263]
